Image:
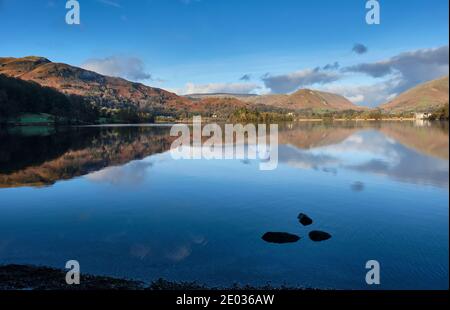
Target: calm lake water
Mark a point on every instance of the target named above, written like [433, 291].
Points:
[115, 200]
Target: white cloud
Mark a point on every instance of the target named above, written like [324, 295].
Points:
[397, 74]
[368, 95]
[390, 76]
[110, 3]
[131, 68]
[233, 88]
[410, 68]
[356, 98]
[290, 82]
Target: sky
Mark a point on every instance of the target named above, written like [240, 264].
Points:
[240, 46]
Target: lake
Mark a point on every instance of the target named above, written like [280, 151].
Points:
[114, 199]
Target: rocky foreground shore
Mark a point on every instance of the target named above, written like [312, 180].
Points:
[24, 277]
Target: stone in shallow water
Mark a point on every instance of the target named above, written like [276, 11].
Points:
[319, 236]
[280, 237]
[304, 219]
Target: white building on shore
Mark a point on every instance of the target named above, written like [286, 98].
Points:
[422, 116]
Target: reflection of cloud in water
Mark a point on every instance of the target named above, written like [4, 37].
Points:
[199, 240]
[333, 171]
[361, 147]
[179, 253]
[140, 251]
[370, 152]
[358, 186]
[157, 249]
[294, 157]
[133, 173]
[412, 168]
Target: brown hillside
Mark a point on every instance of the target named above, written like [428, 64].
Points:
[306, 99]
[106, 91]
[423, 98]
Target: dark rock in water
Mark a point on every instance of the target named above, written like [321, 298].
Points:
[319, 236]
[304, 219]
[280, 237]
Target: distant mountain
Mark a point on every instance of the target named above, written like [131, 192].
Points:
[426, 97]
[110, 92]
[306, 99]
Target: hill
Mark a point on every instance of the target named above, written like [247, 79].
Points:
[426, 97]
[306, 99]
[104, 91]
[27, 102]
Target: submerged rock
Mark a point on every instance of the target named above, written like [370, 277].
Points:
[304, 219]
[319, 236]
[280, 237]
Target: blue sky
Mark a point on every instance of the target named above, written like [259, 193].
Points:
[258, 46]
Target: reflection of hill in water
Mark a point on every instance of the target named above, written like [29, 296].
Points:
[399, 151]
[312, 135]
[44, 157]
[43, 160]
[429, 139]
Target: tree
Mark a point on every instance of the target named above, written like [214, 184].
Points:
[20, 97]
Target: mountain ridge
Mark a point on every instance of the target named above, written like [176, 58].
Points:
[305, 99]
[105, 91]
[425, 97]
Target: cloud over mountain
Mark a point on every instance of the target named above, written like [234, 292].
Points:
[131, 68]
[384, 79]
[398, 74]
[290, 82]
[409, 68]
[369, 95]
[232, 88]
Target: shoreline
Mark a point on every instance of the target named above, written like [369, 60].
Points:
[209, 120]
[30, 277]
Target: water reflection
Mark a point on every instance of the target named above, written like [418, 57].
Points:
[402, 151]
[377, 152]
[35, 159]
[127, 209]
